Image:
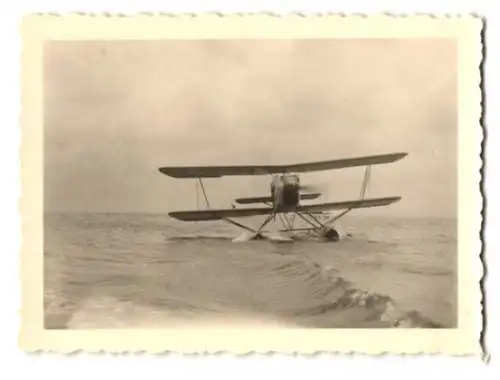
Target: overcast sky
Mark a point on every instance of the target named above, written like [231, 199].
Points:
[116, 111]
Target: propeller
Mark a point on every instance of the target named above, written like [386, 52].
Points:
[318, 188]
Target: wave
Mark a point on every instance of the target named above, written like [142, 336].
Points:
[190, 237]
[217, 284]
[273, 237]
[340, 304]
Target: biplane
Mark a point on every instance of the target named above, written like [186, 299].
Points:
[286, 196]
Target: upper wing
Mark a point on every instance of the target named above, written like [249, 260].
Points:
[244, 212]
[219, 171]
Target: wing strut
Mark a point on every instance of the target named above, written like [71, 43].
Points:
[199, 182]
[197, 195]
[362, 193]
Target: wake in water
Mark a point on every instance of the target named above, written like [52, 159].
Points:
[294, 293]
[139, 273]
[247, 237]
[365, 310]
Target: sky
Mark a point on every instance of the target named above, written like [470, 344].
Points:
[116, 111]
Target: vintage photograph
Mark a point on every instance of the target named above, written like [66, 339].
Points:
[337, 159]
[251, 183]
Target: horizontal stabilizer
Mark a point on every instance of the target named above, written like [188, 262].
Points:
[203, 215]
[220, 171]
[269, 199]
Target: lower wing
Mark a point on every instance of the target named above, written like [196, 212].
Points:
[204, 215]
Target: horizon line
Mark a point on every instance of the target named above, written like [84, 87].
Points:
[165, 213]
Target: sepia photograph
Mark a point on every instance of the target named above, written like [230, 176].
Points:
[159, 154]
[251, 183]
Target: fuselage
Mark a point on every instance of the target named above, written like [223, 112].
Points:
[285, 192]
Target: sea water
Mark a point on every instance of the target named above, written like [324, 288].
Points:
[149, 271]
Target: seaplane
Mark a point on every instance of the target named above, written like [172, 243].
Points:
[285, 201]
